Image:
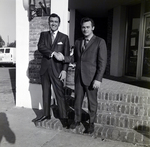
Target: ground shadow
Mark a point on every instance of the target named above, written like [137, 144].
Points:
[5, 130]
[144, 130]
[33, 73]
[38, 114]
[12, 74]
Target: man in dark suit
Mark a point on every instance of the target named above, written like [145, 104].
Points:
[53, 72]
[90, 55]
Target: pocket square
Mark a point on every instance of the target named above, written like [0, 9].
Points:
[59, 43]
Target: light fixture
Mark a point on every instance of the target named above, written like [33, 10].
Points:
[34, 11]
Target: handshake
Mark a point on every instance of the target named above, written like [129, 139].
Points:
[59, 56]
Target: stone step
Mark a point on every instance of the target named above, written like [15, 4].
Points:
[102, 132]
[120, 109]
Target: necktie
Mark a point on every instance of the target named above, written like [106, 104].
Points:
[86, 41]
[52, 37]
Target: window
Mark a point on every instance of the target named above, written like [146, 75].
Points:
[7, 51]
[1, 50]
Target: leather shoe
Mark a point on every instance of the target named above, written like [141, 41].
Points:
[65, 123]
[90, 129]
[74, 125]
[43, 118]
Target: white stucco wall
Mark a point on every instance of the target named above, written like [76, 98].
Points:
[22, 55]
[72, 27]
[60, 7]
[30, 95]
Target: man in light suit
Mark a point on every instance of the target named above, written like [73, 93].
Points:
[53, 72]
[90, 55]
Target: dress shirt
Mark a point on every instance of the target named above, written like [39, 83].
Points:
[54, 34]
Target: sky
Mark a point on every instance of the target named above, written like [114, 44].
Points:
[8, 20]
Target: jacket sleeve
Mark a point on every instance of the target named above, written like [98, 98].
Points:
[69, 59]
[101, 60]
[66, 52]
[73, 58]
[42, 48]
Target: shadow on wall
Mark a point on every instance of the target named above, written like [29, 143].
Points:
[35, 81]
[5, 130]
[12, 74]
[144, 130]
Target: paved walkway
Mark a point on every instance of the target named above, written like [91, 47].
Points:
[17, 130]
[119, 87]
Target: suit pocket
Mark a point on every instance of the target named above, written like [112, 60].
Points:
[92, 70]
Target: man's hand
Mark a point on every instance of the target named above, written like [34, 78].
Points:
[96, 84]
[62, 75]
[59, 56]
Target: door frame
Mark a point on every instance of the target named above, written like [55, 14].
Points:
[143, 40]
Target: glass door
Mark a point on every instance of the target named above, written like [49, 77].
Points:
[133, 22]
[146, 48]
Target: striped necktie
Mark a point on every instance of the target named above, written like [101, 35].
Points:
[52, 37]
[86, 41]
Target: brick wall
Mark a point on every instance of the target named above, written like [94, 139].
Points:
[129, 112]
[123, 110]
[37, 25]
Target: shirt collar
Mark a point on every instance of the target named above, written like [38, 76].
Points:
[89, 38]
[55, 33]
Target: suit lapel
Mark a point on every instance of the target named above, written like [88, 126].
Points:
[82, 45]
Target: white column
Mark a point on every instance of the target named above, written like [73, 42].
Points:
[60, 7]
[27, 95]
[22, 56]
[72, 26]
[118, 42]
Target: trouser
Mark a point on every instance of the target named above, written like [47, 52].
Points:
[80, 90]
[48, 79]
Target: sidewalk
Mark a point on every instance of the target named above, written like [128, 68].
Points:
[18, 130]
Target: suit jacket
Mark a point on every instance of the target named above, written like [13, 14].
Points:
[46, 48]
[91, 62]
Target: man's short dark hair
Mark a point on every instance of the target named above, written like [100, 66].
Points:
[54, 15]
[86, 19]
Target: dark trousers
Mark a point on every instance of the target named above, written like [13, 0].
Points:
[48, 79]
[80, 90]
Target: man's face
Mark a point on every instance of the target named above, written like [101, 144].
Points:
[87, 28]
[54, 23]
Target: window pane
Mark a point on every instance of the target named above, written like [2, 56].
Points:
[7, 51]
[147, 6]
[146, 62]
[1, 50]
[147, 32]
